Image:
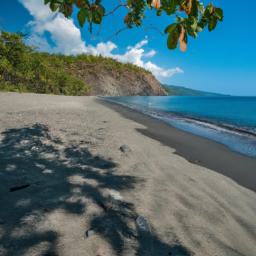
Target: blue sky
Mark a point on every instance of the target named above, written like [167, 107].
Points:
[222, 61]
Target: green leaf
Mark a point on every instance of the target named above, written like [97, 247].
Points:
[199, 29]
[219, 13]
[173, 37]
[193, 23]
[68, 9]
[212, 23]
[172, 7]
[203, 22]
[129, 2]
[159, 12]
[194, 9]
[192, 33]
[208, 11]
[81, 3]
[81, 16]
[54, 6]
[101, 10]
[96, 17]
[170, 28]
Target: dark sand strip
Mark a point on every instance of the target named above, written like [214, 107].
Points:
[195, 149]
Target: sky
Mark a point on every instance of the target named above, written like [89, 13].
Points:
[222, 61]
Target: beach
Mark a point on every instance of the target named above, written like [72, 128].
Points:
[77, 173]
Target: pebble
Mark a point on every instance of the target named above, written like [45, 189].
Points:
[125, 148]
[88, 233]
[143, 224]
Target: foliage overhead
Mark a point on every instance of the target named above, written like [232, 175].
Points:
[192, 16]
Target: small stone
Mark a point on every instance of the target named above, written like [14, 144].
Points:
[143, 224]
[88, 233]
[125, 148]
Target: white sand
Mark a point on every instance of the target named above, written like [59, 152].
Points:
[191, 210]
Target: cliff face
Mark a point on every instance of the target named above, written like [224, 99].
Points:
[120, 80]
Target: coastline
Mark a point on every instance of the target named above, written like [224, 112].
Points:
[69, 187]
[194, 148]
[220, 125]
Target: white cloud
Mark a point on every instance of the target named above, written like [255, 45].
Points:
[150, 54]
[67, 40]
[140, 44]
[37, 9]
[136, 54]
[104, 49]
[161, 72]
[65, 35]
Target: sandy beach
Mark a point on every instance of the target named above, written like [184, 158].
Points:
[84, 177]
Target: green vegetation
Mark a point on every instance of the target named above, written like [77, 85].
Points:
[192, 16]
[22, 69]
[173, 90]
[110, 64]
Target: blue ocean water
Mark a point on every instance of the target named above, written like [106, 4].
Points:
[227, 120]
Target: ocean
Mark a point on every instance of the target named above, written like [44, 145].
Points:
[228, 120]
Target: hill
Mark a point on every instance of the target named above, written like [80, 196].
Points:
[23, 69]
[173, 90]
[110, 77]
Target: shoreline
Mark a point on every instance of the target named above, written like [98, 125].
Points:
[193, 148]
[221, 125]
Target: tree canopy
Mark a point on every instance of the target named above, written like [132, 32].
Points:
[192, 16]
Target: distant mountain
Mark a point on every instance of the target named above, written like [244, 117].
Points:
[173, 90]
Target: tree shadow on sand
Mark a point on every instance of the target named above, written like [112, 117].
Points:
[36, 172]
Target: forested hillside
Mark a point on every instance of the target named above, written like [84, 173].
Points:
[23, 69]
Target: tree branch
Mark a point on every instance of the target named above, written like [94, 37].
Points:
[115, 9]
